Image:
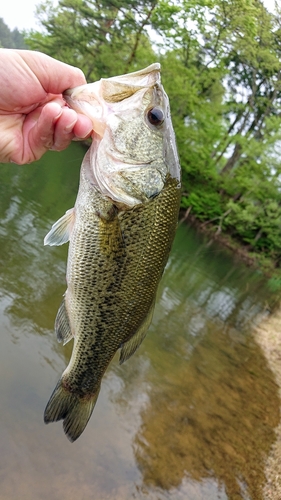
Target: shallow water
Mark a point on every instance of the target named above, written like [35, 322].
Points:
[190, 416]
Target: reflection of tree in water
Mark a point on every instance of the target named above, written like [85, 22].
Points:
[213, 416]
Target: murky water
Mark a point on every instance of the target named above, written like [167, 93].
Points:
[190, 416]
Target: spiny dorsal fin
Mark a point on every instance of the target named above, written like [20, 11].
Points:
[61, 230]
[129, 347]
[62, 326]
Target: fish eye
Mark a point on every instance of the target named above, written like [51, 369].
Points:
[155, 116]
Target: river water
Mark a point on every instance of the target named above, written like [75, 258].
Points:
[190, 416]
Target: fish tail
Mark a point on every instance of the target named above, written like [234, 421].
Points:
[72, 409]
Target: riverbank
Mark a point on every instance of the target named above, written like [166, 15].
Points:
[242, 252]
[215, 233]
[268, 336]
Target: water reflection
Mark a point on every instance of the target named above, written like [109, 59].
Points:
[207, 420]
[187, 417]
[210, 417]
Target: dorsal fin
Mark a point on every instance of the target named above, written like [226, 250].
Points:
[61, 230]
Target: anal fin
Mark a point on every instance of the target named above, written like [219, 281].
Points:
[62, 325]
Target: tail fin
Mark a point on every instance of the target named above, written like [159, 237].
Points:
[74, 411]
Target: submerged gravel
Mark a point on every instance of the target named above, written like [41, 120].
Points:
[268, 336]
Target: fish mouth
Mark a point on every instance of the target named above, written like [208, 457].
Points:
[144, 78]
[96, 100]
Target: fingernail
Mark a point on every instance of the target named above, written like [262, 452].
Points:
[69, 128]
[77, 139]
[59, 112]
[88, 134]
[58, 116]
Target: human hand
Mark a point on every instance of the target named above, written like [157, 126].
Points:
[33, 115]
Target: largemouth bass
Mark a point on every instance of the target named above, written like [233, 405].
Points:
[120, 232]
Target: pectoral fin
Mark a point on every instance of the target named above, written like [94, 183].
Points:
[129, 347]
[61, 230]
[62, 326]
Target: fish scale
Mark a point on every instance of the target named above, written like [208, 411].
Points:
[124, 274]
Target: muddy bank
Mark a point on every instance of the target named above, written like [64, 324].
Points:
[268, 336]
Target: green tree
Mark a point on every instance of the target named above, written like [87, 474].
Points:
[221, 69]
[221, 66]
[102, 37]
[11, 39]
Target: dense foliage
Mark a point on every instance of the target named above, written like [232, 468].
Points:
[221, 69]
